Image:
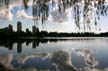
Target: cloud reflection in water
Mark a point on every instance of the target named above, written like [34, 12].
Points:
[88, 55]
[56, 61]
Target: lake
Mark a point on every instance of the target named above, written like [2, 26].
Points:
[55, 54]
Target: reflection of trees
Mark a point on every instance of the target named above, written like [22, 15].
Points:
[28, 43]
[9, 44]
[40, 10]
[19, 47]
[35, 43]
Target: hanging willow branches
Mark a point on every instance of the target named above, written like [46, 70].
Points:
[101, 10]
[87, 12]
[6, 6]
[25, 2]
[40, 10]
[77, 14]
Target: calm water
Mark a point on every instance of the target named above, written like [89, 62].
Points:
[73, 54]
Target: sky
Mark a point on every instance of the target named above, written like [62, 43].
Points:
[56, 22]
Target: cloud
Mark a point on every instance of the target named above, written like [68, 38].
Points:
[60, 60]
[43, 61]
[30, 2]
[7, 14]
[88, 57]
[4, 16]
[58, 17]
[54, 14]
[23, 14]
[6, 60]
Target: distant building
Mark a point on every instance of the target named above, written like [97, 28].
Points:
[27, 30]
[10, 28]
[19, 26]
[34, 29]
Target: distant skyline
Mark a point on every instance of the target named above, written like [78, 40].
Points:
[17, 13]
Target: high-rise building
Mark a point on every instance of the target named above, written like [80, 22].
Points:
[34, 29]
[19, 26]
[10, 28]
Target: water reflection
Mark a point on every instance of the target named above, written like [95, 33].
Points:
[35, 43]
[89, 57]
[56, 60]
[9, 44]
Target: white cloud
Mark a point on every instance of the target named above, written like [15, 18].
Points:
[23, 14]
[2, 15]
[9, 15]
[30, 3]
[6, 14]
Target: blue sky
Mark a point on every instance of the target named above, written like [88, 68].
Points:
[17, 13]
